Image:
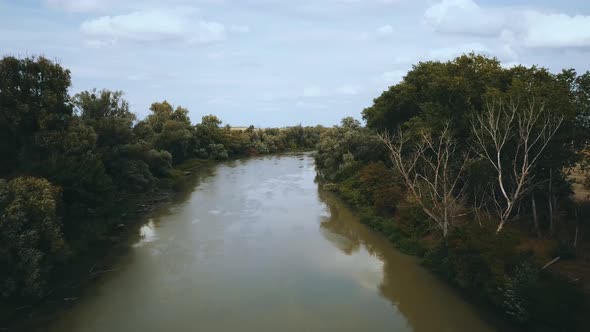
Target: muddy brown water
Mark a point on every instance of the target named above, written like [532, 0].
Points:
[256, 246]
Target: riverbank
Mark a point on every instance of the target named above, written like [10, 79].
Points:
[97, 257]
[256, 246]
[498, 273]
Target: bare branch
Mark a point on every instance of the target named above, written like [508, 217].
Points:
[530, 129]
[432, 171]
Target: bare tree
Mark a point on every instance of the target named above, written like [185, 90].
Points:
[432, 170]
[528, 129]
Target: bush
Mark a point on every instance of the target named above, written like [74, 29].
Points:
[490, 268]
[475, 259]
[552, 304]
[412, 219]
[516, 289]
[202, 153]
[330, 187]
[218, 152]
[31, 238]
[381, 188]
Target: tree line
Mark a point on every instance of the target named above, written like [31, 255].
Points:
[68, 161]
[470, 165]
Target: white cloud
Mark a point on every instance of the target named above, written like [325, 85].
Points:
[511, 64]
[384, 31]
[503, 52]
[447, 53]
[512, 25]
[464, 16]
[317, 47]
[153, 25]
[557, 30]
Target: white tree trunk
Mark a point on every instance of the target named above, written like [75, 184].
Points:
[500, 125]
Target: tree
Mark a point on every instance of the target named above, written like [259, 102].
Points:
[339, 147]
[511, 137]
[33, 98]
[208, 136]
[438, 93]
[172, 130]
[30, 235]
[161, 112]
[40, 134]
[350, 122]
[432, 170]
[175, 138]
[108, 114]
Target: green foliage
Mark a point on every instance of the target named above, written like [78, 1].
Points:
[371, 185]
[172, 130]
[540, 302]
[515, 290]
[486, 265]
[475, 259]
[68, 161]
[88, 154]
[435, 93]
[218, 152]
[442, 91]
[30, 235]
[548, 302]
[254, 141]
[33, 99]
[412, 219]
[341, 146]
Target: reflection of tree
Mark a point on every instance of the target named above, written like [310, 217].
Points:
[426, 303]
[179, 197]
[192, 181]
[339, 233]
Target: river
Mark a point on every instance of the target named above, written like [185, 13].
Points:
[254, 245]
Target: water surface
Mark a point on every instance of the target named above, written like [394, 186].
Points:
[256, 246]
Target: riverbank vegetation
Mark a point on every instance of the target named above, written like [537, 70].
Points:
[72, 164]
[470, 165]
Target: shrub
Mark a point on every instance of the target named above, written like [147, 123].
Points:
[218, 152]
[475, 259]
[31, 238]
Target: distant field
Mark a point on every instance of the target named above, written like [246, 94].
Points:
[255, 128]
[240, 128]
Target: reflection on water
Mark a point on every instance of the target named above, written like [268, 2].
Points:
[147, 234]
[426, 303]
[256, 247]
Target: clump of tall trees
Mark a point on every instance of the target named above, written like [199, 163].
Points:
[69, 161]
[479, 160]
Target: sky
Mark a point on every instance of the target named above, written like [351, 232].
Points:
[282, 62]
